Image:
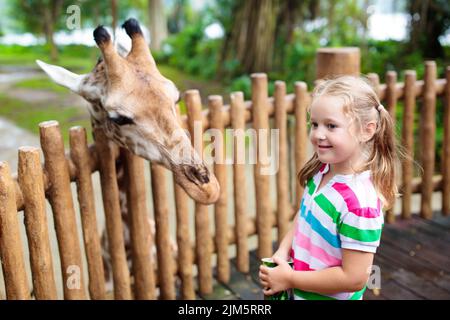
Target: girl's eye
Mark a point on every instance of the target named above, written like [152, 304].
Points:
[314, 125]
[331, 126]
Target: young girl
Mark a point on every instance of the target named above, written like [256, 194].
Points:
[348, 181]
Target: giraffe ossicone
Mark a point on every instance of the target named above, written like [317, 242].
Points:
[134, 104]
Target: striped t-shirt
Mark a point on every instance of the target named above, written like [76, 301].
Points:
[345, 213]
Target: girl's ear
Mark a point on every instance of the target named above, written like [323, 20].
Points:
[369, 131]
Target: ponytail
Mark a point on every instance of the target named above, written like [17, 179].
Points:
[383, 159]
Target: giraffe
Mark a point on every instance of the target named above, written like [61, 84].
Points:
[134, 104]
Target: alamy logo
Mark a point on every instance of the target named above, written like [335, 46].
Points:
[374, 281]
[74, 279]
[73, 21]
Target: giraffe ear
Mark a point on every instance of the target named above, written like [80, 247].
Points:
[62, 76]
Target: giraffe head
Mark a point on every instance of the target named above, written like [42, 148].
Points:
[135, 106]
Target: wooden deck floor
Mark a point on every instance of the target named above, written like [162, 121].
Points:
[414, 260]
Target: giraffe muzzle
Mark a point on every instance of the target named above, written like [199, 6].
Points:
[197, 174]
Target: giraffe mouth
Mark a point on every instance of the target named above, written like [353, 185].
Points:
[198, 182]
[197, 174]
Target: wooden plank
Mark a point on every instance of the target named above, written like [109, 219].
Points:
[185, 252]
[411, 261]
[215, 104]
[437, 232]
[443, 221]
[408, 142]
[261, 179]
[166, 264]
[390, 288]
[11, 249]
[113, 218]
[140, 235]
[218, 292]
[418, 246]
[239, 188]
[242, 284]
[203, 241]
[419, 286]
[427, 138]
[79, 153]
[391, 103]
[60, 197]
[416, 275]
[31, 181]
[283, 205]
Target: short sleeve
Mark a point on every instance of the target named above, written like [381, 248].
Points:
[360, 228]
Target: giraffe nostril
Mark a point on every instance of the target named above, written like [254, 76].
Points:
[197, 174]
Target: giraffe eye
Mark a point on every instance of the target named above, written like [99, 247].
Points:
[121, 120]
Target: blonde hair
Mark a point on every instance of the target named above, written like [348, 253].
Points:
[362, 105]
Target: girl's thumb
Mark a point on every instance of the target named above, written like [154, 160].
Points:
[278, 260]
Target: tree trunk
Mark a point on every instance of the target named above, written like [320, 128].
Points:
[157, 24]
[253, 35]
[114, 16]
[49, 28]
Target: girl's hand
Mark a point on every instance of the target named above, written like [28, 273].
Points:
[275, 279]
[281, 255]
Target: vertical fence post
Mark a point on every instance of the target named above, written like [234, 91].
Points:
[215, 104]
[140, 236]
[428, 132]
[11, 253]
[391, 93]
[283, 205]
[260, 118]
[164, 252]
[408, 141]
[337, 61]
[185, 254]
[113, 219]
[79, 153]
[391, 103]
[237, 115]
[375, 82]
[60, 197]
[203, 243]
[445, 165]
[31, 181]
[301, 102]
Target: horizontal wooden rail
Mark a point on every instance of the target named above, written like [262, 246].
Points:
[400, 90]
[93, 163]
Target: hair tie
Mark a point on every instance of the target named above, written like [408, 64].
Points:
[380, 107]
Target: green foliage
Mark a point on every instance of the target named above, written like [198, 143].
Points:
[77, 58]
[191, 51]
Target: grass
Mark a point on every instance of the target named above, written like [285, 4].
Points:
[41, 84]
[76, 58]
[28, 116]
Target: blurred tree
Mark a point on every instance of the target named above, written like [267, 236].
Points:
[41, 17]
[251, 34]
[181, 14]
[157, 23]
[114, 16]
[430, 19]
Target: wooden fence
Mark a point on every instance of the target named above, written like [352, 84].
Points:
[35, 182]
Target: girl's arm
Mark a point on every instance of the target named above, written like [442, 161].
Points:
[350, 277]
